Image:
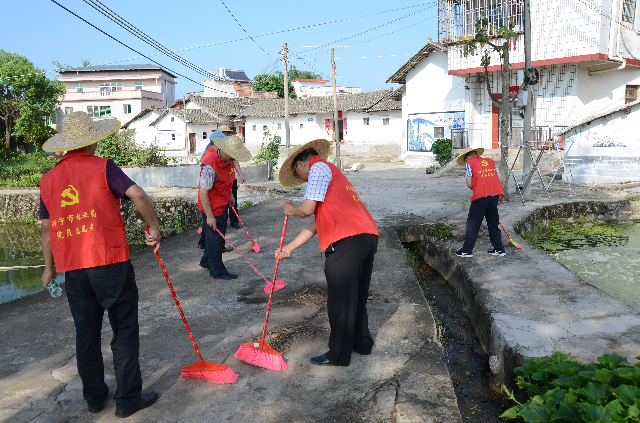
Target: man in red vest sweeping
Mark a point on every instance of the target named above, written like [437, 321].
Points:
[348, 236]
[83, 234]
[483, 179]
[214, 195]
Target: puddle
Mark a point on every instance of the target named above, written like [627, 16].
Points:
[607, 257]
[21, 262]
[467, 363]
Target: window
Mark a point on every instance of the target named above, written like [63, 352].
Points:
[79, 87]
[385, 121]
[110, 86]
[127, 108]
[631, 93]
[204, 135]
[68, 110]
[49, 120]
[255, 127]
[173, 137]
[629, 11]
[265, 127]
[105, 111]
[93, 111]
[138, 85]
[171, 119]
[301, 126]
[279, 126]
[365, 121]
[438, 132]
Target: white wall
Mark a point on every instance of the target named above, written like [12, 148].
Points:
[375, 133]
[601, 92]
[219, 88]
[310, 129]
[145, 134]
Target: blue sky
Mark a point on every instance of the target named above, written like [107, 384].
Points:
[43, 31]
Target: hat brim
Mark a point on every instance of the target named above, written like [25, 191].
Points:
[241, 155]
[460, 160]
[100, 130]
[287, 176]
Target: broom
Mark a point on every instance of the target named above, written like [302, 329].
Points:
[259, 353]
[214, 373]
[254, 244]
[279, 284]
[519, 247]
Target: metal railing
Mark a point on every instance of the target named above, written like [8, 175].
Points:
[457, 18]
[542, 138]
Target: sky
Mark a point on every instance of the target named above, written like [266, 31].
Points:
[210, 37]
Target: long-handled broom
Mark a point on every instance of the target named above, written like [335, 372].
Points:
[254, 244]
[279, 284]
[214, 373]
[512, 242]
[259, 353]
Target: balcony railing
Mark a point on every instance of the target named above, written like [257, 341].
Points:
[115, 95]
[457, 18]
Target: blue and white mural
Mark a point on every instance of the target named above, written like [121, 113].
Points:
[421, 128]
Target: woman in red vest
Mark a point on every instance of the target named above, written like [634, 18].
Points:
[348, 236]
[84, 234]
[484, 180]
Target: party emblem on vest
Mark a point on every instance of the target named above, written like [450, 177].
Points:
[72, 196]
[484, 163]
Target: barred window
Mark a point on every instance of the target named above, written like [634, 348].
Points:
[629, 11]
[385, 121]
[631, 93]
[365, 121]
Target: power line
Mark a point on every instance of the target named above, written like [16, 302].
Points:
[225, 6]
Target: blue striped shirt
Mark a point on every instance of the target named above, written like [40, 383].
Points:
[318, 182]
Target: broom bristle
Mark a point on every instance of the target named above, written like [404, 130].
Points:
[200, 230]
[214, 373]
[279, 285]
[263, 356]
[256, 247]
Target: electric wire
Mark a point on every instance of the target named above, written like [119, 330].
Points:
[256, 43]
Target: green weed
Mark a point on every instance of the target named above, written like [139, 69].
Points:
[634, 198]
[442, 232]
[246, 203]
[27, 219]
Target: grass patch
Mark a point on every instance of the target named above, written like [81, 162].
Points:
[442, 232]
[634, 198]
[26, 219]
[246, 203]
[24, 170]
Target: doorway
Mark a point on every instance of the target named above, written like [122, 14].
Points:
[192, 143]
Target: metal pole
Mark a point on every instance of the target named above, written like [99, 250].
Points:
[287, 129]
[526, 138]
[335, 112]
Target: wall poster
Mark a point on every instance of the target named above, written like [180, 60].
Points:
[424, 128]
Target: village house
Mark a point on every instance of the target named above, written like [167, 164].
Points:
[305, 88]
[115, 91]
[232, 83]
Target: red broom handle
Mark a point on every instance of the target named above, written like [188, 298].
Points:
[505, 231]
[275, 275]
[175, 298]
[239, 253]
[245, 229]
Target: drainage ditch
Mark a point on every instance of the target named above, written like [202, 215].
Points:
[478, 393]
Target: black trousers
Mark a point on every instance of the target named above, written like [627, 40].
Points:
[348, 271]
[90, 292]
[214, 244]
[481, 208]
[234, 191]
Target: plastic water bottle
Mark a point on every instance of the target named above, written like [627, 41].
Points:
[54, 288]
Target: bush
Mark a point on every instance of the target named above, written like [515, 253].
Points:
[442, 149]
[122, 149]
[24, 170]
[269, 151]
[564, 390]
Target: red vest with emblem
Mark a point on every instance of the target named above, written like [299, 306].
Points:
[484, 178]
[85, 224]
[342, 213]
[220, 192]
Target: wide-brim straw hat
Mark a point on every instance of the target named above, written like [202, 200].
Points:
[79, 130]
[226, 128]
[460, 160]
[233, 146]
[287, 176]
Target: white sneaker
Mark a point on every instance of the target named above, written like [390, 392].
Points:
[461, 253]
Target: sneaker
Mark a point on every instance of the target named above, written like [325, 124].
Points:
[496, 252]
[461, 253]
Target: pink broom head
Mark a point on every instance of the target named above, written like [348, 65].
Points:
[200, 230]
[261, 355]
[279, 285]
[256, 247]
[519, 247]
[214, 373]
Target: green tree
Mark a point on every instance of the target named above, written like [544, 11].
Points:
[27, 97]
[275, 82]
[60, 66]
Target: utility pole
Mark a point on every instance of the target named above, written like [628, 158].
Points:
[335, 112]
[526, 139]
[287, 129]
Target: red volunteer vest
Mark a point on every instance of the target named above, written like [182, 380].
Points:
[342, 213]
[85, 224]
[484, 179]
[221, 190]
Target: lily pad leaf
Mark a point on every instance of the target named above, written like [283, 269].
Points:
[612, 361]
[594, 392]
[629, 373]
[627, 394]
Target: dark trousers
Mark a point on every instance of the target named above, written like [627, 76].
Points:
[234, 191]
[348, 271]
[90, 292]
[481, 208]
[214, 244]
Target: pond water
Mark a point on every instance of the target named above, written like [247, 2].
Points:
[607, 257]
[21, 262]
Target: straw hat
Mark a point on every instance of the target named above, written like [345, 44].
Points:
[287, 177]
[460, 160]
[226, 128]
[79, 130]
[233, 146]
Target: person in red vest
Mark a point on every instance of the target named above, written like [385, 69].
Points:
[348, 236]
[214, 195]
[84, 235]
[483, 179]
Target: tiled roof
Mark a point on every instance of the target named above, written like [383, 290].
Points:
[388, 102]
[191, 115]
[139, 115]
[400, 76]
[238, 75]
[598, 115]
[130, 67]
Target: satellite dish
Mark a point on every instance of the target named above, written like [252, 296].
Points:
[631, 42]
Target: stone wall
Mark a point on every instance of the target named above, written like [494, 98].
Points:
[184, 176]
